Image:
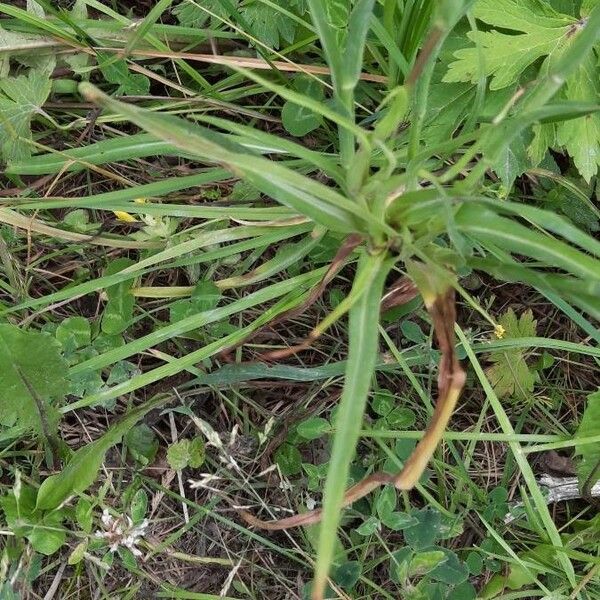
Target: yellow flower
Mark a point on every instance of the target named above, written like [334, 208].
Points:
[124, 216]
[499, 331]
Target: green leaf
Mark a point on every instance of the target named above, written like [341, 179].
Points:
[44, 532]
[186, 453]
[115, 70]
[369, 527]
[317, 201]
[581, 137]
[425, 531]
[543, 32]
[206, 296]
[386, 502]
[314, 428]
[510, 375]
[118, 312]
[142, 443]
[83, 514]
[268, 25]
[362, 353]
[299, 120]
[513, 161]
[347, 574]
[20, 99]
[424, 562]
[191, 14]
[74, 333]
[82, 469]
[32, 379]
[139, 506]
[288, 459]
[451, 571]
[588, 463]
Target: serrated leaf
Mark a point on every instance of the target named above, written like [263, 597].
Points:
[581, 137]
[192, 14]
[268, 25]
[510, 374]
[116, 71]
[32, 379]
[588, 471]
[20, 99]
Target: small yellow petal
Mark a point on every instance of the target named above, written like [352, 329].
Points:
[499, 331]
[141, 200]
[124, 216]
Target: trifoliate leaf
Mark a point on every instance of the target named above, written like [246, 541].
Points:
[588, 471]
[32, 379]
[20, 98]
[510, 374]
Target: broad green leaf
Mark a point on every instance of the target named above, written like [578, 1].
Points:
[45, 532]
[543, 32]
[74, 333]
[186, 453]
[142, 443]
[118, 312]
[115, 70]
[588, 463]
[268, 25]
[424, 562]
[362, 353]
[32, 379]
[20, 99]
[347, 574]
[510, 374]
[82, 469]
[313, 428]
[299, 120]
[427, 529]
[581, 137]
[288, 459]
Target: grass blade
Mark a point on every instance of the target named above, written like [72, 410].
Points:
[362, 354]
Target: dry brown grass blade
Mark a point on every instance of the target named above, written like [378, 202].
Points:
[404, 290]
[451, 379]
[350, 243]
[246, 62]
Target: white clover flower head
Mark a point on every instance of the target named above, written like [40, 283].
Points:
[120, 531]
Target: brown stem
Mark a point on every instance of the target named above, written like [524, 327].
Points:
[451, 379]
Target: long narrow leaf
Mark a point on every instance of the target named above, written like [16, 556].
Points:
[362, 354]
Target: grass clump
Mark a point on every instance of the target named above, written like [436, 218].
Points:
[256, 255]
